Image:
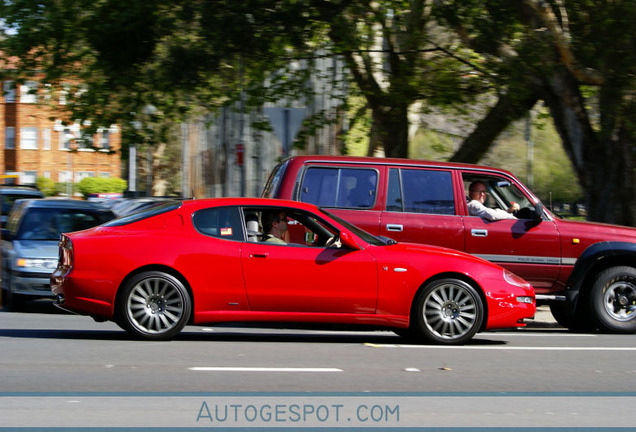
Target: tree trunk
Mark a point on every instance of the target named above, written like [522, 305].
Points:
[507, 110]
[603, 161]
[391, 129]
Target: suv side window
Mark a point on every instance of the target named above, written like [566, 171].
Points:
[420, 191]
[501, 193]
[339, 187]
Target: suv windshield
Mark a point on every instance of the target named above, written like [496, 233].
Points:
[273, 182]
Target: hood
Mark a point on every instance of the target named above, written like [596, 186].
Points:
[596, 231]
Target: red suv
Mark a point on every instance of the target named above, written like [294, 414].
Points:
[585, 271]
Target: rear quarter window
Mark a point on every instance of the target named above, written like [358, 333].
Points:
[220, 222]
[339, 187]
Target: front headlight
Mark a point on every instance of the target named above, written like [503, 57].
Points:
[47, 263]
[513, 279]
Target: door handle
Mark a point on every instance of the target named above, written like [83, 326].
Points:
[394, 227]
[259, 255]
[479, 233]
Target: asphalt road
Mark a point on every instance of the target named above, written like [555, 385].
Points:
[541, 375]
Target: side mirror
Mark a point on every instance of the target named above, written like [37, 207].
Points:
[538, 211]
[347, 240]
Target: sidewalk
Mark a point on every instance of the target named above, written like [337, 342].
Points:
[543, 319]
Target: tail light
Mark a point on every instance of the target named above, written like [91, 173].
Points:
[65, 259]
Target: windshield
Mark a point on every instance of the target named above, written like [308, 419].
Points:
[145, 213]
[367, 237]
[49, 223]
[271, 187]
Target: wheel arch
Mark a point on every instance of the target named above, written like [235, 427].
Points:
[453, 275]
[155, 267]
[593, 260]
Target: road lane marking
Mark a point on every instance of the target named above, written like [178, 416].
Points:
[523, 348]
[535, 333]
[262, 369]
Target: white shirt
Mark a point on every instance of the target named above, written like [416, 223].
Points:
[476, 208]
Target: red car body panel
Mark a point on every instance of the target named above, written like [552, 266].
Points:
[542, 253]
[241, 281]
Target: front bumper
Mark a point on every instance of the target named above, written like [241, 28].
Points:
[30, 284]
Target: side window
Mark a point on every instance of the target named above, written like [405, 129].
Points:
[221, 222]
[501, 193]
[420, 191]
[320, 186]
[340, 187]
[292, 227]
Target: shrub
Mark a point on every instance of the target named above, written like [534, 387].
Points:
[46, 186]
[90, 185]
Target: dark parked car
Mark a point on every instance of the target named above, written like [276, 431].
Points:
[9, 194]
[30, 243]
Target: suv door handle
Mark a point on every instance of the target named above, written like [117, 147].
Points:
[479, 233]
[394, 227]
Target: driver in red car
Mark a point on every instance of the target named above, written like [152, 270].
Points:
[275, 226]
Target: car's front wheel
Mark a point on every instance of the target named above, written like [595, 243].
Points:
[154, 305]
[613, 299]
[448, 311]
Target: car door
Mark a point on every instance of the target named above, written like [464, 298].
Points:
[421, 207]
[526, 246]
[308, 277]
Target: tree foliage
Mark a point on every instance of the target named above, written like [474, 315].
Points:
[489, 59]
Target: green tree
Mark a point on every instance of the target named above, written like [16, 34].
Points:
[579, 58]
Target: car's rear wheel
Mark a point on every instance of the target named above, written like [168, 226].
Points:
[448, 311]
[154, 305]
[613, 299]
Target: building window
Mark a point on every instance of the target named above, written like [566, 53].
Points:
[46, 139]
[81, 175]
[65, 176]
[29, 177]
[9, 91]
[29, 138]
[104, 139]
[28, 92]
[65, 140]
[9, 138]
[83, 141]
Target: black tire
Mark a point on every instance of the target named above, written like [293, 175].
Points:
[447, 312]
[154, 306]
[573, 322]
[613, 300]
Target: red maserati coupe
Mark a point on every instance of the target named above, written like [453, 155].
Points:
[262, 260]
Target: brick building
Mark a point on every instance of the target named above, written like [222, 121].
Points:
[37, 141]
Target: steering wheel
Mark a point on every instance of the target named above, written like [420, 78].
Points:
[332, 240]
